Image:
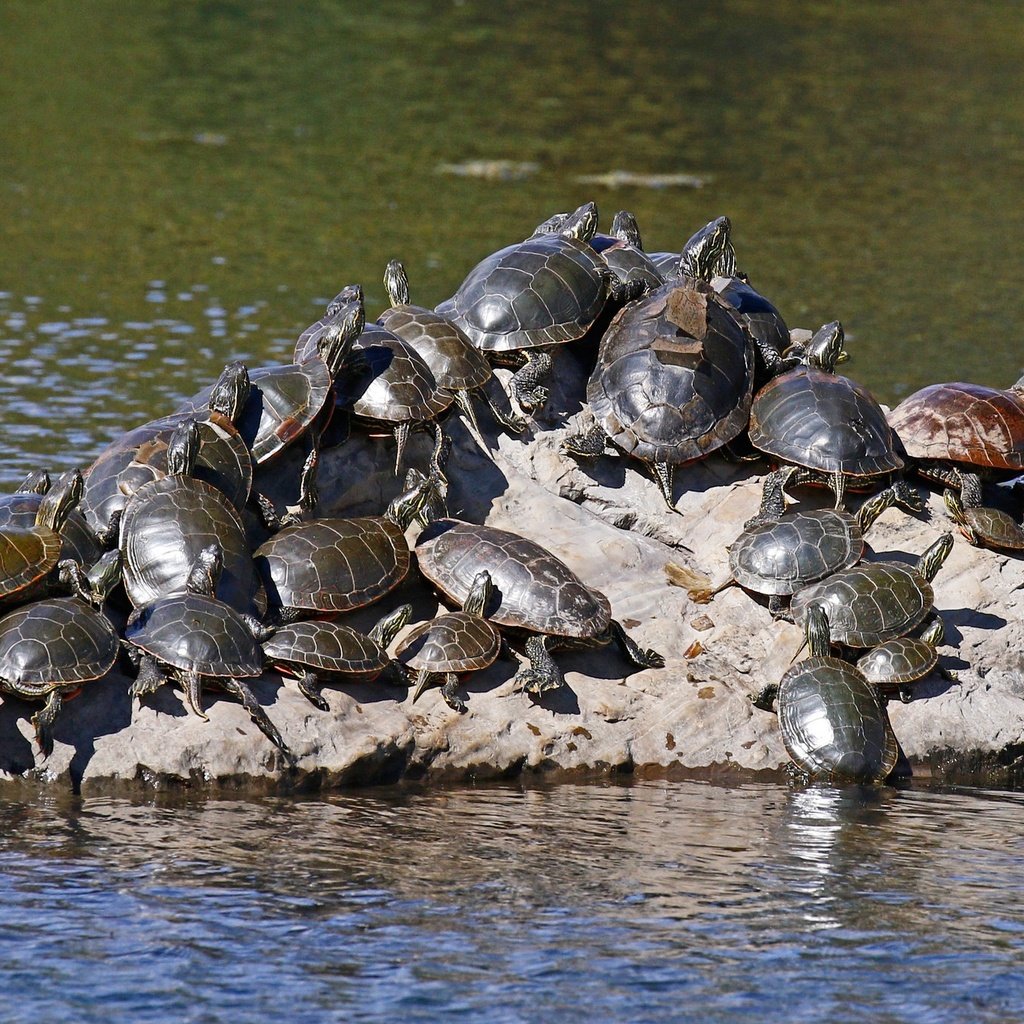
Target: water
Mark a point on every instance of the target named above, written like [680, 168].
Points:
[184, 184]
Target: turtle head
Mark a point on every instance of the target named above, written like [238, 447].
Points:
[874, 507]
[709, 251]
[231, 391]
[37, 482]
[205, 571]
[825, 349]
[396, 281]
[626, 229]
[955, 508]
[336, 341]
[931, 561]
[581, 224]
[479, 594]
[60, 500]
[183, 448]
[411, 502]
[935, 633]
[350, 293]
[388, 627]
[819, 635]
[551, 226]
[103, 576]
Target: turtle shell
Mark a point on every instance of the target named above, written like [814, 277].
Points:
[782, 555]
[456, 642]
[995, 528]
[823, 421]
[544, 291]
[77, 540]
[833, 724]
[165, 526]
[454, 362]
[327, 647]
[763, 320]
[26, 555]
[961, 422]
[283, 402]
[198, 634]
[901, 660]
[533, 589]
[58, 643]
[627, 263]
[869, 603]
[333, 565]
[674, 375]
[666, 263]
[390, 383]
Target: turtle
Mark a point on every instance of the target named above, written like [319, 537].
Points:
[708, 253]
[535, 593]
[778, 553]
[452, 644]
[196, 640]
[307, 346]
[622, 249]
[813, 417]
[457, 366]
[140, 455]
[388, 385]
[981, 525]
[325, 566]
[673, 380]
[48, 650]
[528, 297]
[316, 651]
[833, 724]
[897, 663]
[872, 602]
[169, 521]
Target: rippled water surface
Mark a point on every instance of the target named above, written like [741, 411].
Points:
[644, 902]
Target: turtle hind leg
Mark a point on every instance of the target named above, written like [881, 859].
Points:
[150, 678]
[528, 382]
[639, 656]
[401, 432]
[664, 475]
[309, 687]
[542, 674]
[42, 721]
[586, 444]
[778, 606]
[241, 692]
[464, 401]
[509, 421]
[448, 692]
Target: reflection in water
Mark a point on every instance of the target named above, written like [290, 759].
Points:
[637, 902]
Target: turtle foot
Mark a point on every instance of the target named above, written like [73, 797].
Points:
[309, 687]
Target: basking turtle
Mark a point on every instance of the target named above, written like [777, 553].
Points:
[323, 566]
[535, 593]
[48, 650]
[443, 649]
[457, 366]
[897, 663]
[309, 341]
[833, 724]
[319, 651]
[196, 640]
[872, 602]
[623, 251]
[526, 298]
[982, 526]
[673, 380]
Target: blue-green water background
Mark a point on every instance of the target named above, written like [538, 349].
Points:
[183, 183]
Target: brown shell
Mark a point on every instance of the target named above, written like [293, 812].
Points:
[456, 642]
[963, 422]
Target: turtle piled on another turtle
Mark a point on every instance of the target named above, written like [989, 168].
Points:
[897, 663]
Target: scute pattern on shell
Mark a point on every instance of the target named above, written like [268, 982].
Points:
[77, 541]
[533, 589]
[456, 642]
[901, 660]
[326, 647]
[26, 556]
[333, 564]
[963, 422]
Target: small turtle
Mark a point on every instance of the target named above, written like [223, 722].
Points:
[872, 602]
[319, 651]
[982, 526]
[196, 640]
[48, 650]
[897, 663]
[446, 647]
[623, 251]
[535, 593]
[833, 724]
[309, 341]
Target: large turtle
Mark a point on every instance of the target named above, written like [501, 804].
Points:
[528, 297]
[535, 593]
[833, 724]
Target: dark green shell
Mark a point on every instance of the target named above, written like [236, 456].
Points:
[456, 642]
[327, 648]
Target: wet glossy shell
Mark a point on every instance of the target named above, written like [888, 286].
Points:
[454, 362]
[327, 647]
[543, 291]
[457, 642]
[833, 724]
[164, 528]
[783, 555]
[77, 540]
[333, 565]
[995, 528]
[627, 263]
[869, 603]
[393, 384]
[674, 376]
[26, 556]
[964, 423]
[196, 633]
[533, 590]
[763, 320]
[823, 421]
[898, 661]
[54, 644]
[666, 263]
[283, 402]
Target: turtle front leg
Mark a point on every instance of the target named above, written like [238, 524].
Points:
[241, 692]
[108, 536]
[150, 678]
[588, 444]
[765, 697]
[451, 698]
[639, 656]
[837, 481]
[529, 381]
[778, 607]
[42, 721]
[464, 401]
[508, 420]
[542, 674]
[309, 687]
